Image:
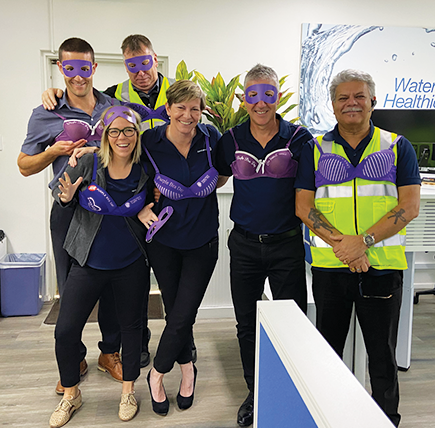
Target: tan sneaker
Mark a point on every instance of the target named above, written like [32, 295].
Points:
[127, 407]
[64, 410]
[111, 363]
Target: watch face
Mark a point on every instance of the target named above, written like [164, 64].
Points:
[369, 240]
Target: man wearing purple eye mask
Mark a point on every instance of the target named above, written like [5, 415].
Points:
[51, 138]
[358, 186]
[145, 85]
[262, 156]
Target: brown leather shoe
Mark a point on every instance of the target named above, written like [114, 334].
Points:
[111, 363]
[83, 370]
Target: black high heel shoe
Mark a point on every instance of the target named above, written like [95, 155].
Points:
[159, 408]
[185, 402]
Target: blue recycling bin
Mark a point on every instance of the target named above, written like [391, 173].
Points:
[22, 279]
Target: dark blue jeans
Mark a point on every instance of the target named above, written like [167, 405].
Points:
[377, 302]
[83, 288]
[183, 277]
[251, 263]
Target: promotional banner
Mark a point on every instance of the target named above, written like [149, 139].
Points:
[401, 61]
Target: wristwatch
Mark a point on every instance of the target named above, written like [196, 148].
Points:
[368, 239]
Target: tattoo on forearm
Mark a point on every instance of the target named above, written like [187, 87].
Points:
[398, 215]
[315, 216]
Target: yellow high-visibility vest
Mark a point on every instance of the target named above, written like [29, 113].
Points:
[354, 206]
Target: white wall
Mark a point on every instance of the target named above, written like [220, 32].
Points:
[229, 36]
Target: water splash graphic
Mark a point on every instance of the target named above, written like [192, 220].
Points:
[320, 52]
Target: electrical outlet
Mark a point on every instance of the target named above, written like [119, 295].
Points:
[423, 155]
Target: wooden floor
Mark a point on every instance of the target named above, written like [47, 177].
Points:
[28, 375]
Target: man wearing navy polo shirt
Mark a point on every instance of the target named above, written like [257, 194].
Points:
[48, 143]
[358, 186]
[262, 154]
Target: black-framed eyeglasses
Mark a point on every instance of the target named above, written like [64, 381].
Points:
[115, 132]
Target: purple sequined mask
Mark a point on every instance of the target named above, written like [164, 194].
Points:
[264, 92]
[77, 67]
[119, 111]
[137, 63]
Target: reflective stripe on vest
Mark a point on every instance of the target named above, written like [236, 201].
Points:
[363, 190]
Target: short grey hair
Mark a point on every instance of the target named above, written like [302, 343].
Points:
[262, 72]
[350, 75]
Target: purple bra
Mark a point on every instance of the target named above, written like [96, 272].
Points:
[147, 113]
[74, 130]
[95, 199]
[335, 169]
[277, 164]
[204, 186]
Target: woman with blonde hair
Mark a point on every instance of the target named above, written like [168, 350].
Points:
[106, 240]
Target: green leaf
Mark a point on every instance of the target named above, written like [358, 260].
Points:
[287, 110]
[204, 83]
[181, 72]
[284, 99]
[219, 82]
[282, 80]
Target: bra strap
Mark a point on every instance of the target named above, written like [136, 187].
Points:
[234, 138]
[94, 171]
[291, 139]
[57, 114]
[318, 146]
[207, 144]
[395, 141]
[152, 160]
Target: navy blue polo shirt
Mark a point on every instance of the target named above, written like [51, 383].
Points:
[44, 126]
[407, 169]
[262, 205]
[195, 220]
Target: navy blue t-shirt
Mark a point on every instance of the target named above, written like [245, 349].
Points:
[195, 220]
[115, 247]
[407, 169]
[262, 205]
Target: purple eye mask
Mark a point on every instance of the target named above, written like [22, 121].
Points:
[80, 67]
[163, 217]
[118, 111]
[261, 90]
[139, 63]
[147, 113]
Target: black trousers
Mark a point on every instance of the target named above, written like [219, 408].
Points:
[60, 219]
[377, 302]
[83, 288]
[183, 277]
[251, 263]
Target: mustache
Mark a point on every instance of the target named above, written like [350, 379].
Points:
[352, 109]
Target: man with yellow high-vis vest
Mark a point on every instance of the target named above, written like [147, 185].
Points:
[357, 188]
[145, 85]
